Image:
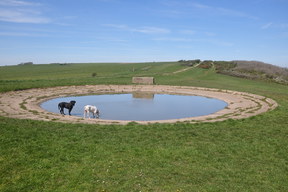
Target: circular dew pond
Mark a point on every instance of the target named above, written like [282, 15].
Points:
[140, 106]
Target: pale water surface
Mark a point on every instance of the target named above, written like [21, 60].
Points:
[141, 106]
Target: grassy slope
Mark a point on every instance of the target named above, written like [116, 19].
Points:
[234, 155]
[23, 77]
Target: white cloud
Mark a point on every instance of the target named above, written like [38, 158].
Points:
[151, 30]
[22, 16]
[21, 12]
[188, 32]
[144, 29]
[267, 25]
[205, 40]
[275, 25]
[223, 11]
[174, 39]
[210, 34]
[116, 26]
[185, 9]
[22, 34]
[17, 3]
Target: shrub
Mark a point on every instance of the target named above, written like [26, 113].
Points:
[189, 62]
[94, 74]
[207, 64]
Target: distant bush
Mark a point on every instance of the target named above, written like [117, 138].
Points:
[243, 69]
[222, 66]
[252, 70]
[207, 64]
[26, 63]
[262, 68]
[189, 62]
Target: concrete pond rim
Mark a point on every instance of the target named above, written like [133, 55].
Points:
[25, 104]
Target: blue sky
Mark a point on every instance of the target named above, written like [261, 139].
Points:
[48, 31]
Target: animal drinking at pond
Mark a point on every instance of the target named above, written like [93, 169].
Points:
[91, 109]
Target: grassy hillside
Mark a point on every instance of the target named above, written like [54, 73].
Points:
[28, 76]
[233, 155]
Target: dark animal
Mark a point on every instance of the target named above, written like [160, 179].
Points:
[68, 106]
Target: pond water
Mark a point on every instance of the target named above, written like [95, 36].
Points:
[141, 106]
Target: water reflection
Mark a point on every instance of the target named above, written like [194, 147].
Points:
[143, 95]
[141, 107]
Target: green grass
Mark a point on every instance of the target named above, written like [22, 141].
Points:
[31, 76]
[233, 155]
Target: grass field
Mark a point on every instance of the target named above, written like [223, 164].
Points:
[233, 155]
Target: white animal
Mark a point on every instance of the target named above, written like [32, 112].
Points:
[91, 109]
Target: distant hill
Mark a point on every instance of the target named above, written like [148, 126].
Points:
[249, 70]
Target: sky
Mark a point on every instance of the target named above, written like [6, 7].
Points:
[81, 31]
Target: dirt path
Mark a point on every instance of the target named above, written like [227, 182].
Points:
[188, 68]
[26, 104]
